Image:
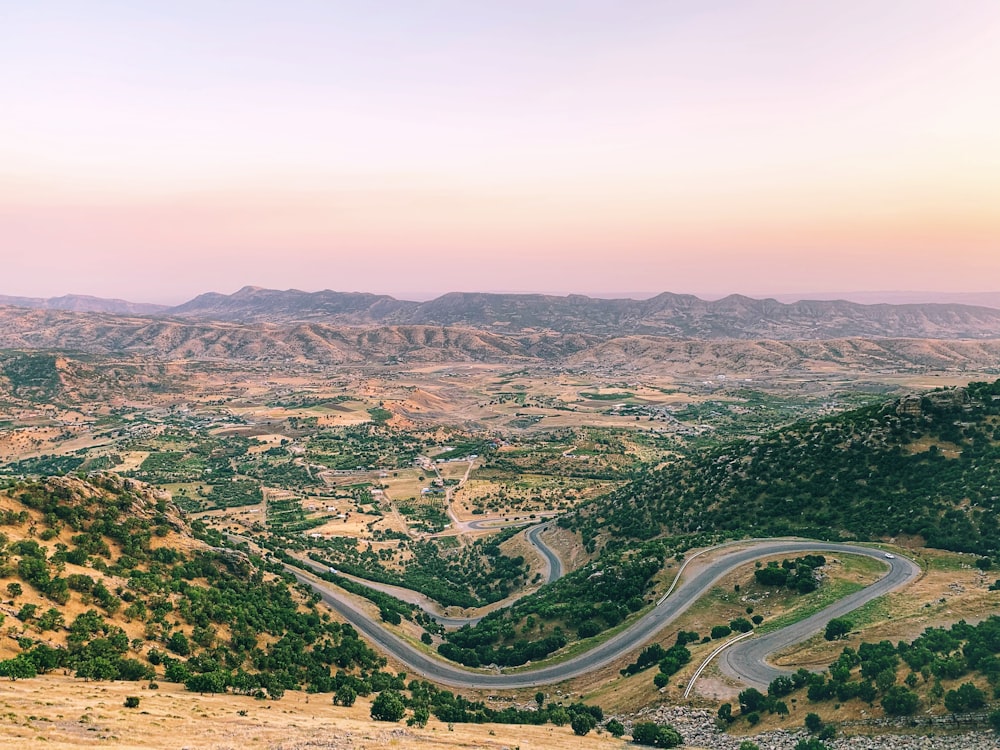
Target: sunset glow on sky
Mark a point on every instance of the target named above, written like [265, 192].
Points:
[153, 151]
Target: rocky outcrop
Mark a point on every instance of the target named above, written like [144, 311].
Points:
[698, 728]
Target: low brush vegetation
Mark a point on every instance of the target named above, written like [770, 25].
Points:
[945, 670]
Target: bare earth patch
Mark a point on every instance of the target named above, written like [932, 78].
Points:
[60, 712]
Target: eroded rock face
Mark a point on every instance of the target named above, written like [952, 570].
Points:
[915, 406]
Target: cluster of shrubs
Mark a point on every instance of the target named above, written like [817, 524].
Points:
[670, 660]
[870, 674]
[798, 575]
[937, 654]
[426, 700]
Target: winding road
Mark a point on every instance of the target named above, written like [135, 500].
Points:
[746, 661]
[551, 562]
[550, 557]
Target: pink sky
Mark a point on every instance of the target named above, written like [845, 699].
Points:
[417, 148]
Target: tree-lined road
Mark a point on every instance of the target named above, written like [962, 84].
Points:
[745, 661]
[551, 561]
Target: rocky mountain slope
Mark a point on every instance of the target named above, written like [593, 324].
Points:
[83, 303]
[675, 315]
[314, 343]
[324, 344]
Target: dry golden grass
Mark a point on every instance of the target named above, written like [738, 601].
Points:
[60, 712]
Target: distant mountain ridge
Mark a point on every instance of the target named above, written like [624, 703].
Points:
[83, 303]
[322, 344]
[667, 314]
[980, 299]
[255, 304]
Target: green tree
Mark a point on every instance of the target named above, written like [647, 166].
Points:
[899, 701]
[837, 628]
[616, 729]
[18, 668]
[741, 624]
[215, 681]
[179, 644]
[559, 716]
[582, 723]
[27, 612]
[966, 698]
[751, 699]
[655, 735]
[388, 706]
[813, 723]
[885, 679]
[345, 696]
[50, 620]
[421, 714]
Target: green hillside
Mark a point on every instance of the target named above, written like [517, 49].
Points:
[923, 466]
[101, 578]
[926, 466]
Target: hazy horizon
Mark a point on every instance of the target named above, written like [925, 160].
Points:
[707, 147]
[983, 298]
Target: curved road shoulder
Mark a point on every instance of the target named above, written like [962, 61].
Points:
[747, 661]
[552, 566]
[750, 667]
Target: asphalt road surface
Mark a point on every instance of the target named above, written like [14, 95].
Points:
[554, 563]
[748, 664]
[747, 660]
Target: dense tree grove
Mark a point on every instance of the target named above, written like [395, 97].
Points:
[799, 574]
[448, 707]
[927, 467]
[588, 600]
[670, 660]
